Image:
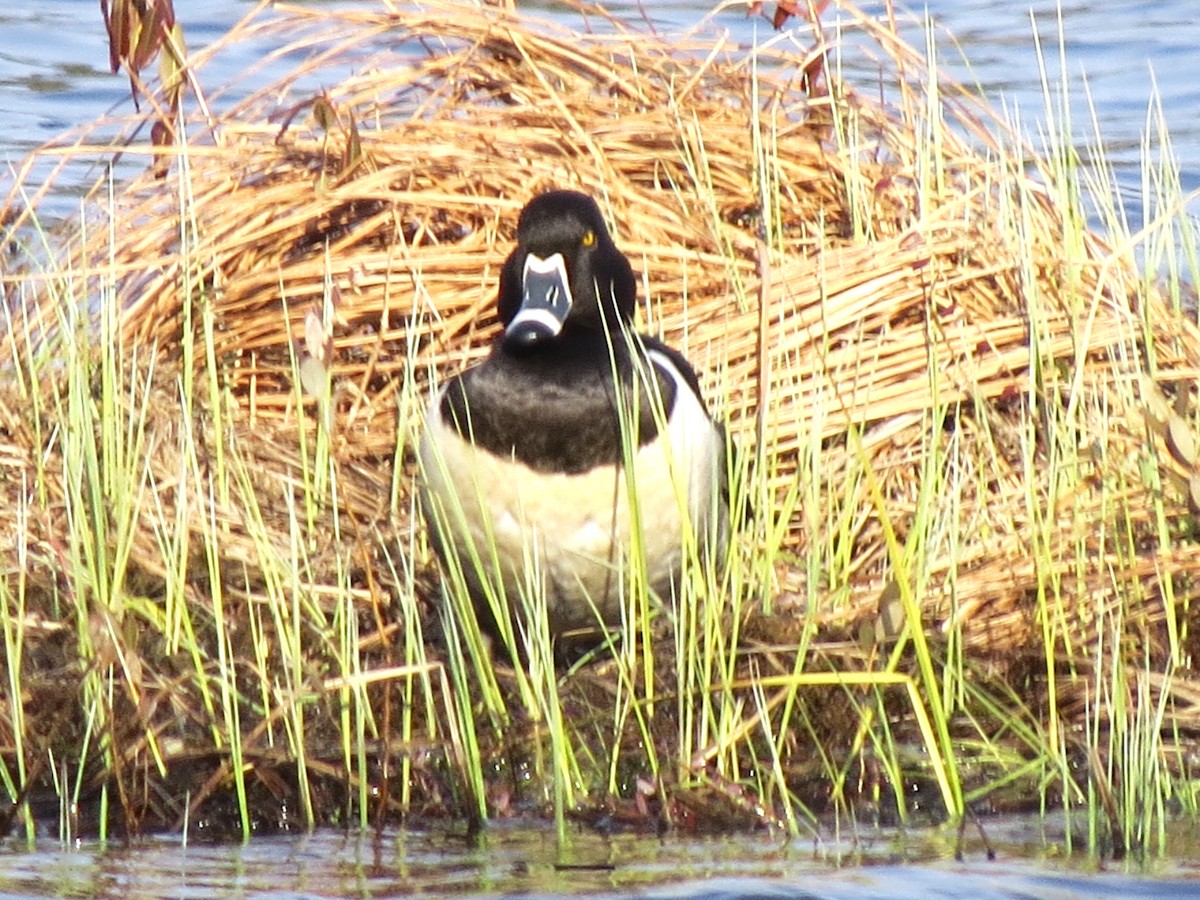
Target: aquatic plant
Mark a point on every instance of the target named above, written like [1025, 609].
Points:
[964, 491]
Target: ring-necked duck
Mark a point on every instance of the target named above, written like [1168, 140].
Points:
[526, 474]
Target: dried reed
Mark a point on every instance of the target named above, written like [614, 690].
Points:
[853, 294]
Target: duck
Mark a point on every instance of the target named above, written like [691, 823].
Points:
[577, 451]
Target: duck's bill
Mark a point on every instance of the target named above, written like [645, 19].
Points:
[545, 302]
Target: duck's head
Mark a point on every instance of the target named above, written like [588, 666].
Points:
[566, 274]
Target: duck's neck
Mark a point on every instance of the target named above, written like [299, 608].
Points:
[562, 408]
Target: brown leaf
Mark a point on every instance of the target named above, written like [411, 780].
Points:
[354, 150]
[1181, 440]
[890, 620]
[1157, 410]
[1183, 391]
[162, 134]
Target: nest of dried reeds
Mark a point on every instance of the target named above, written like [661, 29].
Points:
[364, 222]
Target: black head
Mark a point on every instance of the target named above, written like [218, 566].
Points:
[566, 274]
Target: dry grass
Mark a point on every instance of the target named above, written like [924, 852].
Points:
[891, 296]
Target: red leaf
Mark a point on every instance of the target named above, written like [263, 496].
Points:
[810, 78]
[784, 10]
[166, 12]
[149, 40]
[120, 27]
[809, 11]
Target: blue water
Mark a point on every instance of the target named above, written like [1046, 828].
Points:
[523, 861]
[1135, 57]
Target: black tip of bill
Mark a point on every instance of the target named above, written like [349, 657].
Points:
[545, 303]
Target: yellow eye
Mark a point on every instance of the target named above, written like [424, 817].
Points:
[589, 238]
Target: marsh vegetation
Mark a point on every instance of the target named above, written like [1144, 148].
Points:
[963, 393]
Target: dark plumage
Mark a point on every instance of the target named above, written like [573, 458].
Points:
[527, 452]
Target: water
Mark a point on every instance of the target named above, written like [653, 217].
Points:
[54, 67]
[54, 77]
[523, 861]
